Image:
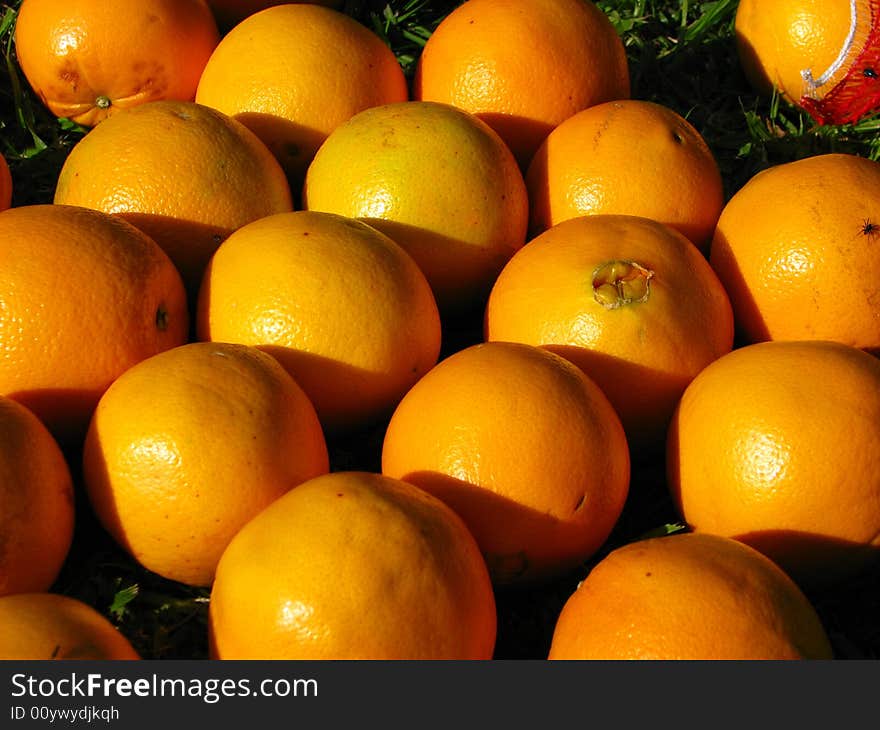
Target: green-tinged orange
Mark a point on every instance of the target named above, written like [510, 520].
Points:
[435, 179]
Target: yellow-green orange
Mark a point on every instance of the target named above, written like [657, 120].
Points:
[435, 179]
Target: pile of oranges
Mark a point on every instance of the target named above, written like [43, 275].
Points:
[528, 284]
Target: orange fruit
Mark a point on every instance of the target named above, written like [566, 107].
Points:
[524, 446]
[628, 300]
[353, 565]
[36, 502]
[230, 12]
[187, 446]
[778, 445]
[37, 626]
[201, 176]
[793, 250]
[341, 306]
[435, 179]
[294, 72]
[628, 157]
[89, 59]
[525, 66]
[688, 597]
[5, 185]
[85, 296]
[819, 54]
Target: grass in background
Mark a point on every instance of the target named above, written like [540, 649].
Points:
[682, 55]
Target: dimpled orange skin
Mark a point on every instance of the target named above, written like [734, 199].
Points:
[524, 447]
[688, 597]
[642, 353]
[778, 41]
[406, 578]
[83, 297]
[36, 502]
[186, 447]
[88, 59]
[202, 176]
[5, 185]
[295, 72]
[341, 306]
[628, 157]
[232, 12]
[38, 626]
[435, 179]
[523, 66]
[778, 445]
[796, 249]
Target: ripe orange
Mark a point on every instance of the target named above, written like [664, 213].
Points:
[88, 59]
[688, 597]
[84, 297]
[778, 445]
[795, 248]
[36, 502]
[820, 54]
[185, 174]
[628, 157]
[341, 306]
[37, 626]
[435, 179]
[230, 12]
[353, 565]
[521, 444]
[187, 446]
[5, 185]
[523, 66]
[628, 300]
[294, 72]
